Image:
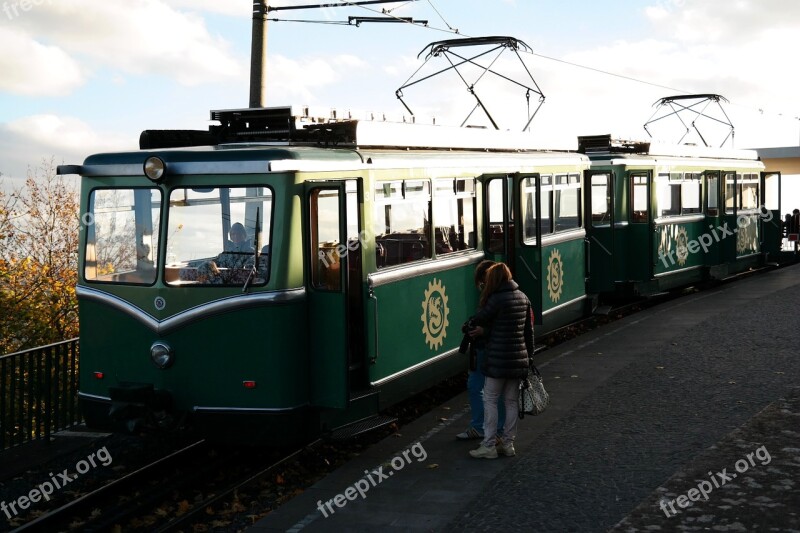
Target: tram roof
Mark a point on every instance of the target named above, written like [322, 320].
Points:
[295, 139]
[258, 158]
[608, 146]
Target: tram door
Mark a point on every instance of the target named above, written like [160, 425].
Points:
[771, 218]
[498, 219]
[334, 251]
[514, 239]
[599, 217]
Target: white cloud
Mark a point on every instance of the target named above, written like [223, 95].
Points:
[35, 69]
[304, 80]
[725, 21]
[136, 37]
[233, 8]
[32, 139]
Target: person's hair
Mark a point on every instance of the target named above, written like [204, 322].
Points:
[497, 275]
[480, 270]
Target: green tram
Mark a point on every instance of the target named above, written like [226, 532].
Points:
[280, 277]
[660, 218]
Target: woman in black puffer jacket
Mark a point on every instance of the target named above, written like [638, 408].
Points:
[510, 345]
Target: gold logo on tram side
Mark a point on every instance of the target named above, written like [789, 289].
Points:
[682, 246]
[434, 314]
[746, 234]
[555, 276]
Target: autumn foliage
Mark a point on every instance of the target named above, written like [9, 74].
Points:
[38, 261]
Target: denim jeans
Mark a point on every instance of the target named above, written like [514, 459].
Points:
[475, 383]
[506, 390]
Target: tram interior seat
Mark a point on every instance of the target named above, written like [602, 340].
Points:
[495, 237]
[446, 239]
[398, 248]
[567, 223]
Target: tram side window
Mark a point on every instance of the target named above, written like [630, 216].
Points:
[402, 222]
[326, 248]
[640, 202]
[749, 194]
[712, 183]
[690, 194]
[601, 199]
[454, 215]
[496, 228]
[122, 230]
[669, 194]
[730, 192]
[567, 209]
[546, 205]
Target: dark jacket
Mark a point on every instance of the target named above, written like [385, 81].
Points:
[510, 341]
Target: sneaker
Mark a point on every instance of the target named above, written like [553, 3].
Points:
[482, 452]
[470, 433]
[507, 449]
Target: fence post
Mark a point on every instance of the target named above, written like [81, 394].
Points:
[48, 401]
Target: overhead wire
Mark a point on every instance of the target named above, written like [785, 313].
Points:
[455, 31]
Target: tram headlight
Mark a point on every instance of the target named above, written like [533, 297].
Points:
[155, 168]
[162, 355]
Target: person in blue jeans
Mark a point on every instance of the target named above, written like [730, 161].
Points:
[475, 379]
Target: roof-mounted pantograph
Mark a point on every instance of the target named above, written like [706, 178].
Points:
[459, 62]
[694, 106]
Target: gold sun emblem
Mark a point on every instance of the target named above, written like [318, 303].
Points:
[434, 314]
[555, 276]
[682, 246]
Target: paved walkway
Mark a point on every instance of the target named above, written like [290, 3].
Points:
[637, 408]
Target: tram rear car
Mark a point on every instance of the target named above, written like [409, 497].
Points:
[660, 218]
[346, 293]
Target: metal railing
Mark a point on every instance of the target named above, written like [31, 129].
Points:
[38, 393]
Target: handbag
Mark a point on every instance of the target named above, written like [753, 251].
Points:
[533, 398]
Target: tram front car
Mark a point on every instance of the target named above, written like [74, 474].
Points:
[190, 292]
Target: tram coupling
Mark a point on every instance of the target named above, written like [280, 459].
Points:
[140, 407]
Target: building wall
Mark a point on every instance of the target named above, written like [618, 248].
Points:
[787, 161]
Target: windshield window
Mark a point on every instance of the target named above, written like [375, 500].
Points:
[122, 228]
[215, 234]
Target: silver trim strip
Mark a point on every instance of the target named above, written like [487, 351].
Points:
[248, 410]
[565, 304]
[687, 269]
[93, 397]
[416, 367]
[183, 318]
[680, 219]
[413, 270]
[173, 168]
[558, 238]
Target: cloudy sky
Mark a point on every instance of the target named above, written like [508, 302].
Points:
[85, 76]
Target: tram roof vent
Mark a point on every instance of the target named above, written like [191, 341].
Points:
[327, 127]
[606, 144]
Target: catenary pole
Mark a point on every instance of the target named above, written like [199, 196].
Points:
[258, 55]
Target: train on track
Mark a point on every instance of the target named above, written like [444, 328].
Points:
[282, 276]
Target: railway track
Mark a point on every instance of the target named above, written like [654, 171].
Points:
[81, 509]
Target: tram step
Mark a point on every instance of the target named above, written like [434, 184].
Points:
[362, 426]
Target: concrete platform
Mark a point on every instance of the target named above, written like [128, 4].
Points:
[641, 410]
